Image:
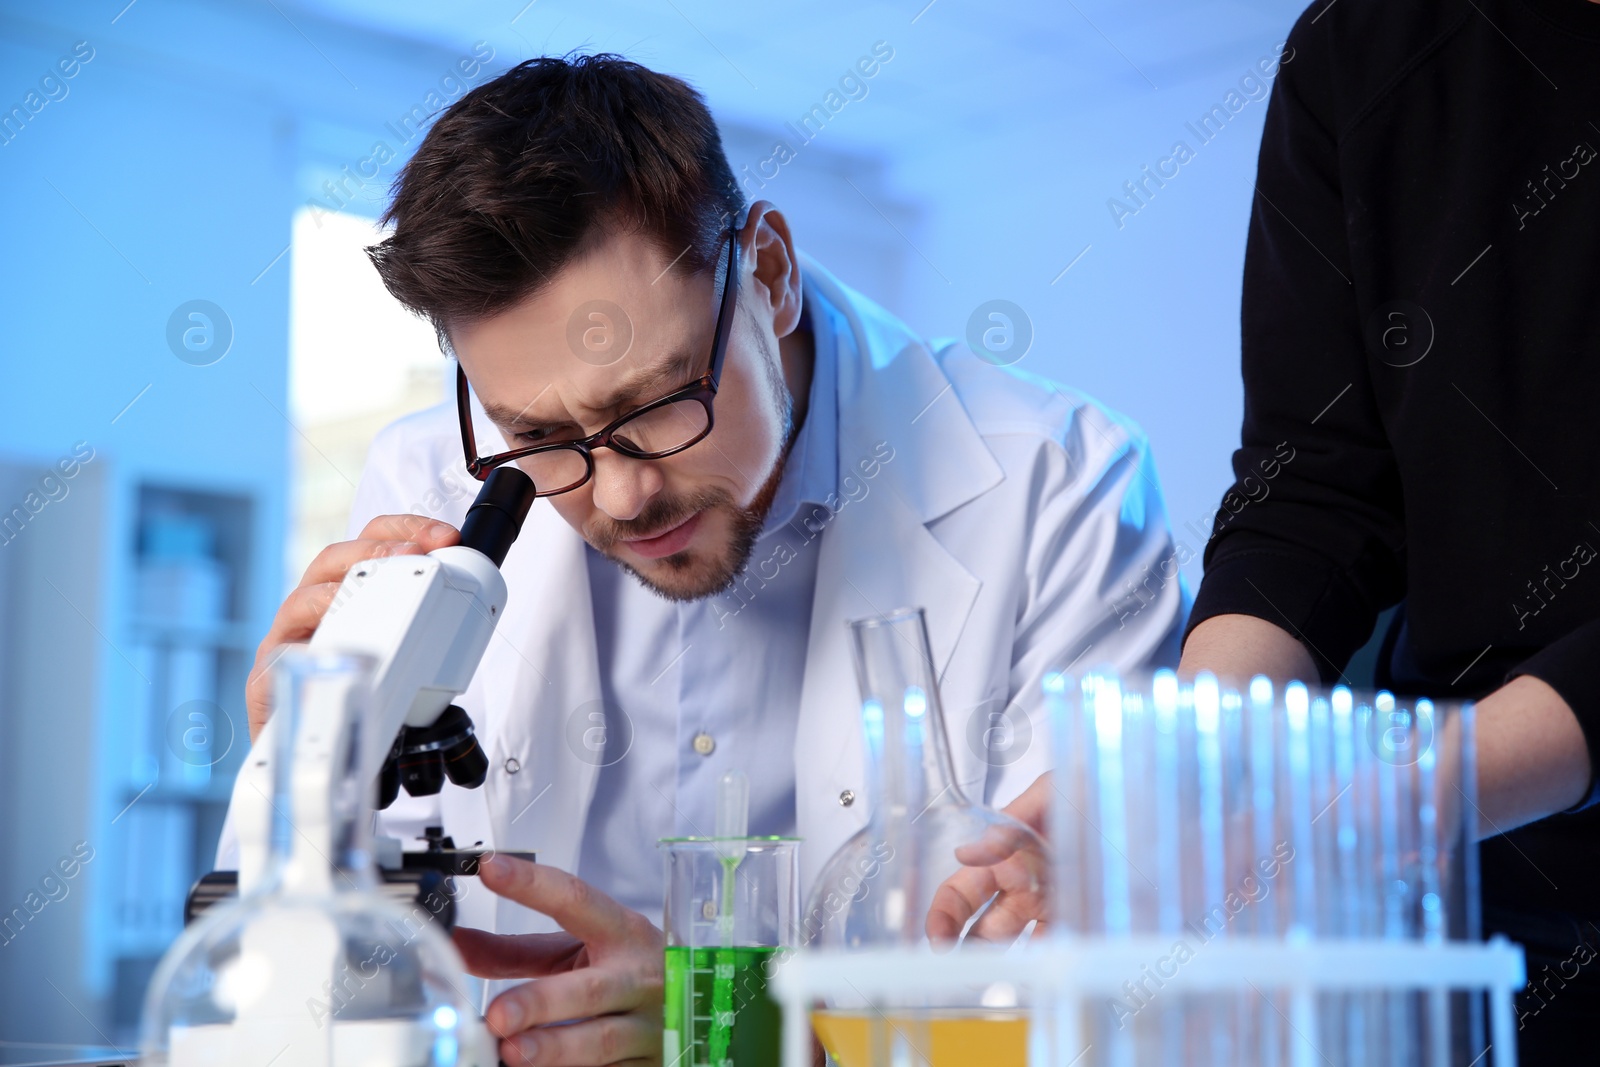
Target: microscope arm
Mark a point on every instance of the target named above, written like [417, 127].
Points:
[425, 621]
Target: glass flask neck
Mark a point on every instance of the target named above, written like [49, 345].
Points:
[320, 839]
[908, 753]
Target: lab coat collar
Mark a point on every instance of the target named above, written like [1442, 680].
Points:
[878, 553]
[895, 390]
[811, 470]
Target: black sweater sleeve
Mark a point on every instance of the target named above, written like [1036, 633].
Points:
[1311, 537]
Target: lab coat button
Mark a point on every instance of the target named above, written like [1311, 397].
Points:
[704, 743]
[513, 765]
[847, 798]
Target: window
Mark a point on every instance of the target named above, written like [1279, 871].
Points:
[357, 361]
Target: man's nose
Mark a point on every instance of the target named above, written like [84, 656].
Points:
[623, 485]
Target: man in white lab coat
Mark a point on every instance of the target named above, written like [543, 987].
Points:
[677, 603]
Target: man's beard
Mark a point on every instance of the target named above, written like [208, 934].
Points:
[698, 575]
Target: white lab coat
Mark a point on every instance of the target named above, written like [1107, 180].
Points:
[1023, 516]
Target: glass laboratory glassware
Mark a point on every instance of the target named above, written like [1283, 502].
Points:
[732, 910]
[891, 883]
[1198, 811]
[315, 968]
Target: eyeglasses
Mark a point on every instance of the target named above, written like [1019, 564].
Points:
[661, 428]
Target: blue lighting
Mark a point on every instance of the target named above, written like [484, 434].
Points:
[916, 702]
[872, 725]
[445, 1017]
[1261, 691]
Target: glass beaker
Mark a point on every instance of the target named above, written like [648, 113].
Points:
[906, 877]
[732, 910]
[316, 967]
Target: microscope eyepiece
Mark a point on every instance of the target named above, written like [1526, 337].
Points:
[495, 518]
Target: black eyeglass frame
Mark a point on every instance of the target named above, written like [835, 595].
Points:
[703, 389]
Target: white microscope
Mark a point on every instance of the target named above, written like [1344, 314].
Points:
[334, 951]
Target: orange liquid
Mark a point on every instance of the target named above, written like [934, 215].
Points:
[945, 1037]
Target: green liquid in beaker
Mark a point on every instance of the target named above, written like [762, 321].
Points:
[718, 1013]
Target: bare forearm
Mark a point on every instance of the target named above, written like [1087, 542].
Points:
[1243, 646]
[1532, 759]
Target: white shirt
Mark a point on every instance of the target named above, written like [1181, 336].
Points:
[692, 690]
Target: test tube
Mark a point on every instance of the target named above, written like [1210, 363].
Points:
[1264, 764]
[1172, 1019]
[1207, 704]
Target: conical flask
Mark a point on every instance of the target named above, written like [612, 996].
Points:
[930, 868]
[316, 968]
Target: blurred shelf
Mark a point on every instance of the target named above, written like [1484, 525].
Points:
[225, 635]
[182, 719]
[219, 792]
[150, 945]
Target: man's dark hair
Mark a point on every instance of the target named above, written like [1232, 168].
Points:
[520, 176]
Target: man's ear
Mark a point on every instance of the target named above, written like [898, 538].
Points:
[768, 248]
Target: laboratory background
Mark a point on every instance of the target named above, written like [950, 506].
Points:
[192, 330]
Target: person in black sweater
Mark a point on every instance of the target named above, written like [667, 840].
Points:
[1421, 326]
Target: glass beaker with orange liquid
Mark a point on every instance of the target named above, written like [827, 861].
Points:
[930, 868]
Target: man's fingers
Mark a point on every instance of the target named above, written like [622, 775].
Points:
[335, 561]
[610, 1039]
[299, 616]
[957, 900]
[429, 533]
[1005, 861]
[296, 620]
[258, 687]
[1023, 897]
[514, 955]
[616, 996]
[1006, 917]
[303, 610]
[999, 841]
[1001, 923]
[1033, 805]
[581, 994]
[582, 910]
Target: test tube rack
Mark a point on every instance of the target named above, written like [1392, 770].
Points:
[1063, 979]
[1313, 850]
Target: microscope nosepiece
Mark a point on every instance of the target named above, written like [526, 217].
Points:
[447, 749]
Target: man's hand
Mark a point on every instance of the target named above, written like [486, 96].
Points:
[601, 976]
[302, 610]
[1007, 863]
